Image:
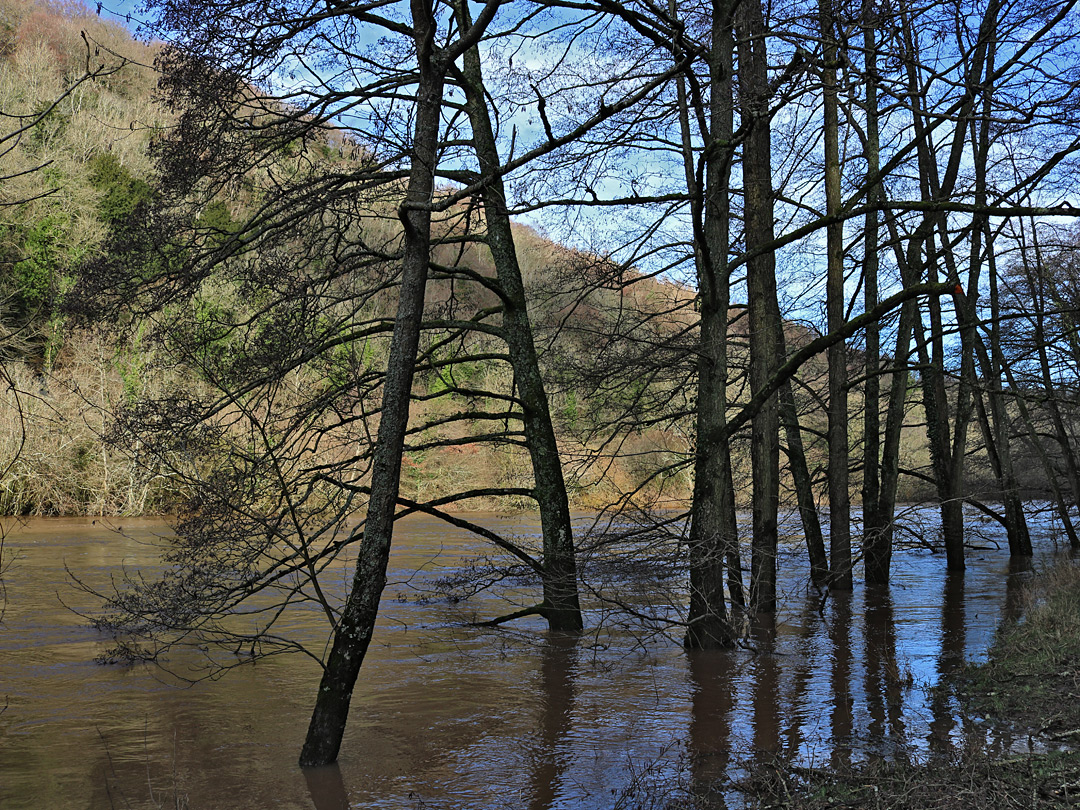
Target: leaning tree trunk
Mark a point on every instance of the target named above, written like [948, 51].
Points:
[354, 629]
[996, 423]
[804, 485]
[948, 453]
[560, 606]
[1034, 436]
[880, 543]
[1035, 282]
[948, 471]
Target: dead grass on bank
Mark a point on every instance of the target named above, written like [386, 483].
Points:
[973, 781]
[1032, 678]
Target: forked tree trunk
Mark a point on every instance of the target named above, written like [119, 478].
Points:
[948, 448]
[995, 423]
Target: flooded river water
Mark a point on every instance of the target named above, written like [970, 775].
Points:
[451, 716]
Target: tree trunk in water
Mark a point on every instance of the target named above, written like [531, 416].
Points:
[804, 489]
[840, 578]
[948, 454]
[764, 312]
[1048, 467]
[713, 540]
[357, 622]
[910, 266]
[1060, 432]
[996, 423]
[996, 438]
[880, 543]
[877, 540]
[717, 237]
[561, 605]
[945, 474]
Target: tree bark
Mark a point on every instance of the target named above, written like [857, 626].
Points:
[879, 553]
[996, 422]
[354, 629]
[877, 540]
[764, 312]
[1036, 282]
[561, 606]
[714, 540]
[840, 578]
[1061, 506]
[804, 486]
[947, 448]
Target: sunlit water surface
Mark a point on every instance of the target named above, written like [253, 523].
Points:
[450, 716]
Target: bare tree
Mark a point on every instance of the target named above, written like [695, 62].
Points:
[764, 312]
[270, 265]
[839, 509]
[560, 582]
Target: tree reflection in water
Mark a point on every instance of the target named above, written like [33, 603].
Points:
[884, 683]
[842, 722]
[557, 667]
[950, 660]
[712, 686]
[326, 787]
[765, 671]
[471, 719]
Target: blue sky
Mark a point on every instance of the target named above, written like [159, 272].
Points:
[123, 11]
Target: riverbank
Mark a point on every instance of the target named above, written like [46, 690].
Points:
[1019, 705]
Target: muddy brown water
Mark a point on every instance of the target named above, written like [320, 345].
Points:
[449, 716]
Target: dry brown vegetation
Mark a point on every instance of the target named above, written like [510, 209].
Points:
[63, 465]
[625, 426]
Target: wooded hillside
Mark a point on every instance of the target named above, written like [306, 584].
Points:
[86, 89]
